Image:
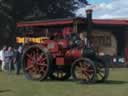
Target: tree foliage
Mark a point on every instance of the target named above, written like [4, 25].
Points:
[7, 25]
[12, 11]
[49, 8]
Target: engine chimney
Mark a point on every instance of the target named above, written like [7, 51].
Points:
[89, 15]
[89, 26]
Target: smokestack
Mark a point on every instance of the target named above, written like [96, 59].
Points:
[89, 26]
[89, 15]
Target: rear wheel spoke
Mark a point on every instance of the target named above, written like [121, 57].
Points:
[44, 64]
[29, 67]
[30, 56]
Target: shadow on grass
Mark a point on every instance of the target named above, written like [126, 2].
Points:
[50, 80]
[5, 90]
[106, 82]
[71, 80]
[114, 82]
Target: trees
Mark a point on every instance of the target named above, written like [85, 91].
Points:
[59, 8]
[7, 22]
[48, 8]
[12, 11]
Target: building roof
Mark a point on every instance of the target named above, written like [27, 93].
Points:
[121, 22]
[67, 21]
[51, 22]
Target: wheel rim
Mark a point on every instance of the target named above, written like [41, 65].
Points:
[84, 70]
[36, 63]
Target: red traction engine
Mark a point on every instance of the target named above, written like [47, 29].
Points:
[56, 60]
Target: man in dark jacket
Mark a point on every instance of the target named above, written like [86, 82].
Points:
[17, 61]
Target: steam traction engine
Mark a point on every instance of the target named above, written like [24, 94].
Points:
[60, 59]
[55, 60]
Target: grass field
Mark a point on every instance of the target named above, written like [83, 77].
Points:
[12, 85]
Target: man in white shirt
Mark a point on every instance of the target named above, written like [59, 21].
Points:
[1, 55]
[2, 58]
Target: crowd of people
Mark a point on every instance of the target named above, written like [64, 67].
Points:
[10, 58]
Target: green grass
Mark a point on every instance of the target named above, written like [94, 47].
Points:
[12, 85]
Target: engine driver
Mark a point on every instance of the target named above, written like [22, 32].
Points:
[78, 40]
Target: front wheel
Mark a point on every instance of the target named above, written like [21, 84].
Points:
[83, 70]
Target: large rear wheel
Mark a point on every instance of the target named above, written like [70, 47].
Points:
[84, 70]
[36, 63]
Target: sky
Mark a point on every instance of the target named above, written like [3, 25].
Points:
[107, 9]
[98, 1]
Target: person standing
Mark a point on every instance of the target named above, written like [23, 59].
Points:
[9, 57]
[0, 59]
[83, 38]
[17, 60]
[2, 53]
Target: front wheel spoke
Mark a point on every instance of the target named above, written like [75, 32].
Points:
[90, 70]
[78, 68]
[78, 71]
[86, 75]
[87, 66]
[81, 65]
[82, 76]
